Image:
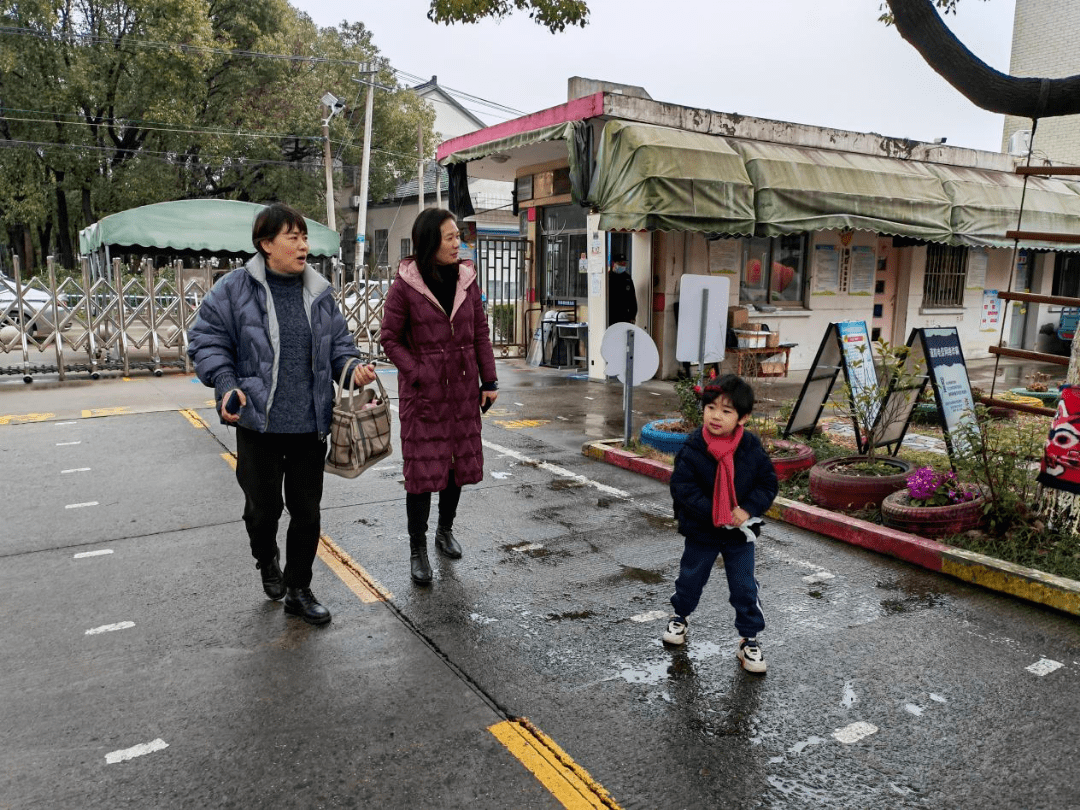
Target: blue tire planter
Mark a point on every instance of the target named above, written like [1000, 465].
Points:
[654, 435]
[1048, 398]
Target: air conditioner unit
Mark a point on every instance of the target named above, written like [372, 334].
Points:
[356, 201]
[1020, 142]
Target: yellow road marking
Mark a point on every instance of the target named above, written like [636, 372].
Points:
[567, 781]
[193, 417]
[351, 572]
[94, 412]
[513, 424]
[230, 459]
[22, 418]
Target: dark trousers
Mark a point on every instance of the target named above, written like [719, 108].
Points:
[694, 569]
[266, 465]
[418, 508]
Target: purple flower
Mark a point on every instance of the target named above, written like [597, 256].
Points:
[927, 487]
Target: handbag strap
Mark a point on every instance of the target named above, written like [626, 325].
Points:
[352, 389]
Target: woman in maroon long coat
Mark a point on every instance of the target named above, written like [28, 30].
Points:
[435, 332]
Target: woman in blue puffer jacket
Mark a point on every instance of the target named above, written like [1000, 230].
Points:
[270, 341]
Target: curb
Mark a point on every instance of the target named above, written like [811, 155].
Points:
[1052, 591]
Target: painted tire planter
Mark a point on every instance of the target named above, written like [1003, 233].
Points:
[931, 521]
[801, 457]
[833, 488]
[654, 435]
[927, 413]
[1048, 398]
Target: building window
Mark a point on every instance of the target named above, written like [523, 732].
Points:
[406, 249]
[563, 244]
[946, 272]
[774, 271]
[381, 248]
[1067, 275]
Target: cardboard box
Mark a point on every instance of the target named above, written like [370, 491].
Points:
[773, 340]
[751, 338]
[736, 317]
[770, 369]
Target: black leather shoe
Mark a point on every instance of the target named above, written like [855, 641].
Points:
[272, 581]
[300, 602]
[419, 567]
[445, 542]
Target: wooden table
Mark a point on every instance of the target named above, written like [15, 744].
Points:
[748, 361]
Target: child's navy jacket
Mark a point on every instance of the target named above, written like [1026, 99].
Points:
[694, 477]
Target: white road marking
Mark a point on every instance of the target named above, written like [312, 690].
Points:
[1044, 666]
[590, 398]
[849, 698]
[124, 754]
[520, 404]
[81, 505]
[911, 708]
[563, 418]
[108, 628]
[66, 444]
[501, 475]
[938, 698]
[83, 554]
[555, 469]
[820, 576]
[59, 424]
[854, 732]
[527, 547]
[77, 469]
[651, 616]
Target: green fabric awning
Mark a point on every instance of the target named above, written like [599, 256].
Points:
[203, 226]
[563, 131]
[656, 178]
[986, 204]
[805, 189]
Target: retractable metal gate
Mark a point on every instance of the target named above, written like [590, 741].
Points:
[502, 266]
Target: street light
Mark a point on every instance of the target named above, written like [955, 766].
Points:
[333, 106]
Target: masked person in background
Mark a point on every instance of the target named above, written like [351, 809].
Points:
[622, 297]
[435, 332]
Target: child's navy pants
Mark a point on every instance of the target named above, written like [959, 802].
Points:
[695, 566]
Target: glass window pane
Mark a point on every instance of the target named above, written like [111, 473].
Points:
[786, 271]
[755, 277]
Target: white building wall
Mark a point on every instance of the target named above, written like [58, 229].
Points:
[1045, 45]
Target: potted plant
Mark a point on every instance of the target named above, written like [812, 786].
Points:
[863, 480]
[669, 435]
[934, 504]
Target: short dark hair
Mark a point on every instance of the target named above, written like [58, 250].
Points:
[427, 236]
[738, 389]
[274, 219]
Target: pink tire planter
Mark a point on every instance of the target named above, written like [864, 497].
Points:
[801, 457]
[833, 488]
[931, 521]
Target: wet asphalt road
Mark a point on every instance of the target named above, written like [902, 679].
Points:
[554, 614]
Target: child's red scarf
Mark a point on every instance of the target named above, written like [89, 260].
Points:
[722, 449]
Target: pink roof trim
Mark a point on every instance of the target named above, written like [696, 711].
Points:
[577, 110]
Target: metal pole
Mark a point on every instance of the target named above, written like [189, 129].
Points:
[628, 388]
[420, 175]
[701, 336]
[365, 167]
[328, 167]
[438, 186]
[58, 339]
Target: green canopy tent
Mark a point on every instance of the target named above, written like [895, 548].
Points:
[202, 228]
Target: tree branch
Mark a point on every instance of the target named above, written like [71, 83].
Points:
[921, 26]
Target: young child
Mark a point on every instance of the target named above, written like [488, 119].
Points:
[722, 483]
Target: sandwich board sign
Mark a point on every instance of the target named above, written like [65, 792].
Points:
[941, 355]
[846, 347]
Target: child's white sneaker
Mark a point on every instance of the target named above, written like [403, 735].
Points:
[676, 632]
[749, 652]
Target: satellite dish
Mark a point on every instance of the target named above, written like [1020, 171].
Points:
[613, 347]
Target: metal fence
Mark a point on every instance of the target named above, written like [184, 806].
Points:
[137, 318]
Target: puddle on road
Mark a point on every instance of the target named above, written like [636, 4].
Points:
[678, 667]
[660, 522]
[643, 575]
[570, 615]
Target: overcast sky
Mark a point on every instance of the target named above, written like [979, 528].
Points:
[821, 62]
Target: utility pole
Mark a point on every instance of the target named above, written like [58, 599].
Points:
[365, 168]
[420, 178]
[332, 104]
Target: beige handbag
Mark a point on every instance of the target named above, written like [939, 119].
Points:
[359, 429]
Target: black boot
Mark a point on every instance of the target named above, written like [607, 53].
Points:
[419, 567]
[446, 543]
[273, 582]
[301, 602]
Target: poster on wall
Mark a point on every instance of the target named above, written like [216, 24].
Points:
[826, 270]
[978, 261]
[863, 268]
[991, 312]
[724, 256]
